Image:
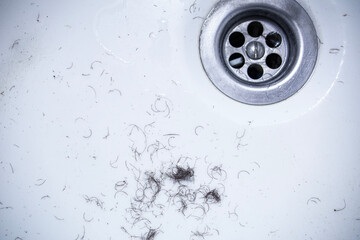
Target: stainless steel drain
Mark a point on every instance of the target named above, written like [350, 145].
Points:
[258, 52]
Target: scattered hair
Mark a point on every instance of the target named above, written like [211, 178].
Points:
[95, 200]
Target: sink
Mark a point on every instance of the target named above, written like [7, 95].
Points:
[111, 129]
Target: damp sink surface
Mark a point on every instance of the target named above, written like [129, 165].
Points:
[100, 100]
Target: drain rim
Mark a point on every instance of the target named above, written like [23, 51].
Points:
[227, 13]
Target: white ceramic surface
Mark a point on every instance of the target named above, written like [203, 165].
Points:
[76, 75]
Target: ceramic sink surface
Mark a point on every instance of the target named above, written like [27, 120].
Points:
[98, 95]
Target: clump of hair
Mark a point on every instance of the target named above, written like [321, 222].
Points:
[212, 196]
[181, 174]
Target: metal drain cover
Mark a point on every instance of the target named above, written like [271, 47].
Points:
[258, 52]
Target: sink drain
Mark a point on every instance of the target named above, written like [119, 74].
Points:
[258, 52]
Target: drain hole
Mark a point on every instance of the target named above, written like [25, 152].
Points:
[237, 39]
[273, 61]
[237, 60]
[255, 71]
[273, 40]
[255, 29]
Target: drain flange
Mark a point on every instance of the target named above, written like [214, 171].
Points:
[258, 52]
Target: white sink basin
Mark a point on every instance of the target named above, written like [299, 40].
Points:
[94, 94]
